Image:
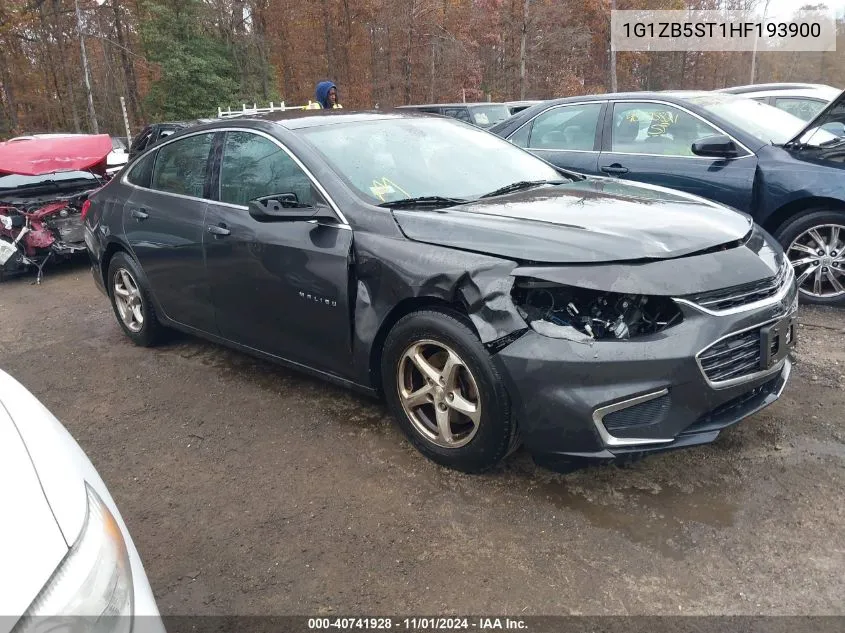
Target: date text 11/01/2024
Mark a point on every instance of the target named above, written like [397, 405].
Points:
[722, 29]
[417, 624]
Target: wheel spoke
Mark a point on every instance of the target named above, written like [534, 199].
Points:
[450, 369]
[127, 281]
[818, 239]
[834, 238]
[418, 397]
[121, 290]
[444, 424]
[428, 370]
[462, 405]
[817, 283]
[804, 261]
[136, 312]
[831, 277]
[795, 246]
[810, 270]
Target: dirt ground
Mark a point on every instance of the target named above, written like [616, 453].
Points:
[251, 489]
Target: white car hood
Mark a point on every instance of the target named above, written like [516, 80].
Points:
[31, 543]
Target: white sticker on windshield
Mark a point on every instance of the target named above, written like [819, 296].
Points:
[481, 119]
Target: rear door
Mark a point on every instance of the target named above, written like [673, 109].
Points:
[278, 286]
[568, 136]
[163, 220]
[651, 142]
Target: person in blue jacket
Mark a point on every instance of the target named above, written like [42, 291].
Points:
[326, 94]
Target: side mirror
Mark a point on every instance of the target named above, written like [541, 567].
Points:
[280, 207]
[719, 146]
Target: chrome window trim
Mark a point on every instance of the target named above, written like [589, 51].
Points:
[733, 382]
[314, 181]
[612, 440]
[756, 305]
[748, 154]
[555, 107]
[571, 151]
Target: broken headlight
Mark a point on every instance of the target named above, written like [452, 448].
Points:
[574, 313]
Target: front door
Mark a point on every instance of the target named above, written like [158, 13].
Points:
[652, 143]
[164, 219]
[278, 286]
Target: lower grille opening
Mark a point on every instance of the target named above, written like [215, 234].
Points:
[643, 414]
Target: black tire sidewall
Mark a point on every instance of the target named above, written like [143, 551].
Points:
[801, 223]
[149, 332]
[496, 432]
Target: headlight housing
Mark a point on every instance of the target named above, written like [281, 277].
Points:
[91, 590]
[584, 315]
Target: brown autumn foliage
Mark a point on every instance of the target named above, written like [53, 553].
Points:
[379, 52]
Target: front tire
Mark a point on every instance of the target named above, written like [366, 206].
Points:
[814, 242]
[443, 390]
[131, 303]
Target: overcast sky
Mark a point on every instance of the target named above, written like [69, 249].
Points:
[780, 7]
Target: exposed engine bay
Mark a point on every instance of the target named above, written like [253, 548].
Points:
[34, 232]
[586, 315]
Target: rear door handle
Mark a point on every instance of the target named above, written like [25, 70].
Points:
[218, 230]
[139, 214]
[615, 169]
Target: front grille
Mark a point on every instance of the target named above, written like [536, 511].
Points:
[733, 357]
[744, 294]
[643, 414]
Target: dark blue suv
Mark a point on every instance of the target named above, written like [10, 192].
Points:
[788, 174]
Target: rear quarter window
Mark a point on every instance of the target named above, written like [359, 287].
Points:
[141, 172]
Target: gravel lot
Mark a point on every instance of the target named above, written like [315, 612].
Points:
[251, 489]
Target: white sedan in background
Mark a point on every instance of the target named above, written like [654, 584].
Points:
[65, 551]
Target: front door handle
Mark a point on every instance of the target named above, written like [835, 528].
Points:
[218, 230]
[615, 169]
[139, 214]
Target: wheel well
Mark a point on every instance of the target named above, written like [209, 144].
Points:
[781, 216]
[110, 252]
[401, 309]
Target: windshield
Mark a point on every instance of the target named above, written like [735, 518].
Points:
[764, 122]
[13, 181]
[830, 132]
[488, 115]
[395, 159]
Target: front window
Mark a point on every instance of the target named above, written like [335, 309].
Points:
[488, 115]
[392, 159]
[656, 128]
[256, 167]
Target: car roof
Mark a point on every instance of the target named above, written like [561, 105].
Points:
[450, 105]
[301, 119]
[750, 88]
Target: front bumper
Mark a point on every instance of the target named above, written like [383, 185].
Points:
[643, 395]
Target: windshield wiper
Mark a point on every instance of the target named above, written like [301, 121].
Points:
[832, 142]
[423, 201]
[522, 184]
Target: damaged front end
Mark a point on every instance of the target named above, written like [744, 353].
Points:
[584, 315]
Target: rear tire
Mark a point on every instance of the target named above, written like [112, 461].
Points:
[443, 390]
[814, 241]
[130, 300]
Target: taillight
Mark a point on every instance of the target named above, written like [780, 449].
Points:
[85, 206]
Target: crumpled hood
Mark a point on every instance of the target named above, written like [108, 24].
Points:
[590, 221]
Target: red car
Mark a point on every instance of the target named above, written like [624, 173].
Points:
[44, 185]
